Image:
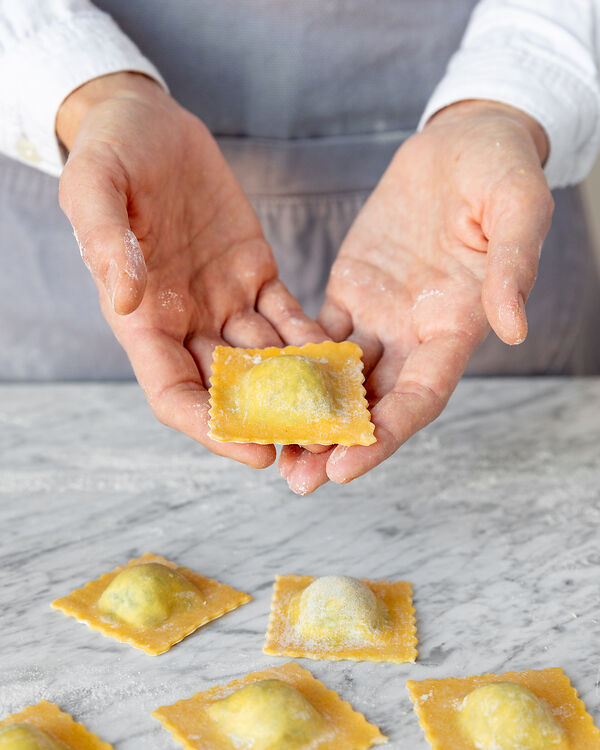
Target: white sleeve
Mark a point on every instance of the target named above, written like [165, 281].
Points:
[47, 50]
[542, 57]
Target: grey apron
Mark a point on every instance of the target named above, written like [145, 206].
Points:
[308, 101]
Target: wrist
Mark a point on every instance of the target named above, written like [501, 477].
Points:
[76, 106]
[473, 108]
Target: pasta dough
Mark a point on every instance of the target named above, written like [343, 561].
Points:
[505, 715]
[27, 737]
[146, 595]
[268, 715]
[288, 387]
[337, 617]
[456, 715]
[308, 394]
[45, 727]
[338, 609]
[281, 708]
[150, 603]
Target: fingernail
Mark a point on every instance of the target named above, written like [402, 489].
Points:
[522, 321]
[513, 320]
[135, 263]
[111, 279]
[338, 454]
[123, 290]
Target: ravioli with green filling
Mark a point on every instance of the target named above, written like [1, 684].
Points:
[150, 603]
[146, 595]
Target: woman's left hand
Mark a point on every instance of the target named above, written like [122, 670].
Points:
[447, 245]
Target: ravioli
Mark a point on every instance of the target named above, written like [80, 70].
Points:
[505, 715]
[45, 727]
[301, 395]
[531, 710]
[27, 737]
[338, 617]
[150, 603]
[289, 387]
[268, 715]
[281, 708]
[148, 594]
[338, 609]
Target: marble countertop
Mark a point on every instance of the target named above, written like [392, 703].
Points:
[492, 512]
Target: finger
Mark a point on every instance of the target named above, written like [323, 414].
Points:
[287, 459]
[420, 393]
[305, 471]
[250, 330]
[335, 319]
[371, 349]
[284, 313]
[339, 326]
[97, 210]
[201, 348]
[385, 374]
[516, 227]
[294, 326]
[316, 448]
[170, 379]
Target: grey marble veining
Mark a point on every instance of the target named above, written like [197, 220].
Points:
[492, 512]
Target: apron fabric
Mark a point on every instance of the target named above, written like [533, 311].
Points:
[308, 102]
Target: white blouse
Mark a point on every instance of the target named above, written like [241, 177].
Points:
[538, 55]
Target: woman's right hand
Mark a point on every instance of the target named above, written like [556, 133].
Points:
[176, 251]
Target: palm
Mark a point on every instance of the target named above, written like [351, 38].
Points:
[392, 298]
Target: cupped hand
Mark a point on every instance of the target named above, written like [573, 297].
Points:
[176, 251]
[447, 245]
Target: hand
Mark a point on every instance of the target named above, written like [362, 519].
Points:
[174, 246]
[448, 242]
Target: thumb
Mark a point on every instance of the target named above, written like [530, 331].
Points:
[516, 230]
[97, 210]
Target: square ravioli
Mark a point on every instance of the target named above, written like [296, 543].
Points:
[336, 617]
[531, 709]
[301, 395]
[281, 708]
[46, 726]
[150, 603]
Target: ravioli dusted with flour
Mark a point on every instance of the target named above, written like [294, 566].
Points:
[338, 617]
[45, 727]
[150, 603]
[308, 394]
[338, 609]
[531, 710]
[281, 708]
